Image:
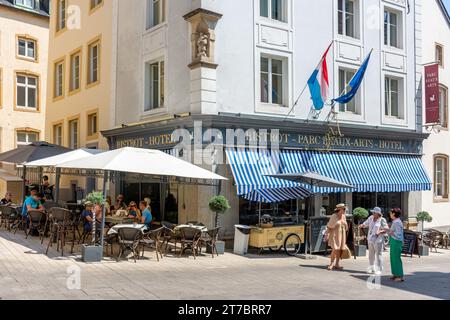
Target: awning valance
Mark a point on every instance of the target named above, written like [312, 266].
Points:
[365, 171]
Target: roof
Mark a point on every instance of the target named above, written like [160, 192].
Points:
[444, 10]
[42, 10]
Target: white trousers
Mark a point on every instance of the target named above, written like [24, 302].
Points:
[376, 256]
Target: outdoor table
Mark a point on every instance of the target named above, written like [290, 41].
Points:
[115, 229]
[201, 228]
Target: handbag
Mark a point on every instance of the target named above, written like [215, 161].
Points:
[346, 253]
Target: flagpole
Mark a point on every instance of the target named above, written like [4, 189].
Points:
[306, 85]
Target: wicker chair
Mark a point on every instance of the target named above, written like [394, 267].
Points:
[209, 240]
[190, 239]
[59, 223]
[8, 217]
[153, 239]
[36, 222]
[169, 236]
[129, 238]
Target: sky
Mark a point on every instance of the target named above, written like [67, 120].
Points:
[447, 4]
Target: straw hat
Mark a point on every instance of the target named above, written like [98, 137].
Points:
[340, 206]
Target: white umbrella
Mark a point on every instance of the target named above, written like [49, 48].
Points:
[142, 161]
[60, 159]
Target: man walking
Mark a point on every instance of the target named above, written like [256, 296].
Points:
[377, 227]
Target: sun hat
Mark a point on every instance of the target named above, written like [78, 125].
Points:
[377, 210]
[340, 206]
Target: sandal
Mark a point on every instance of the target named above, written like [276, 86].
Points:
[399, 280]
[339, 268]
[330, 268]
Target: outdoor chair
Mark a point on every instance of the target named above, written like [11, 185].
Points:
[129, 239]
[190, 238]
[108, 241]
[153, 239]
[209, 240]
[36, 223]
[169, 235]
[59, 223]
[21, 222]
[8, 217]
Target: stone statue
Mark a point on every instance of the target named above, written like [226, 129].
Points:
[202, 45]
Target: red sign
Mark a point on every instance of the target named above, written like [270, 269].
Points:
[432, 114]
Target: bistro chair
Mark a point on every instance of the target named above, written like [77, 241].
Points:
[190, 239]
[59, 224]
[209, 240]
[36, 223]
[8, 217]
[129, 238]
[21, 222]
[153, 239]
[169, 235]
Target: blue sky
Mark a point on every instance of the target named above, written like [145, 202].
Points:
[447, 4]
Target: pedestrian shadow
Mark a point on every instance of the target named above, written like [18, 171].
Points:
[431, 284]
[345, 270]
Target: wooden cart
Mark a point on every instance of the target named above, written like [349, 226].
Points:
[288, 238]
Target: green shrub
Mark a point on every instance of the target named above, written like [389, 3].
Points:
[219, 205]
[424, 216]
[360, 214]
[95, 198]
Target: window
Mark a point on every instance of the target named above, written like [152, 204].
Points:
[392, 29]
[75, 64]
[60, 15]
[443, 106]
[26, 48]
[154, 85]
[392, 97]
[26, 137]
[345, 75]
[273, 9]
[272, 81]
[26, 3]
[92, 124]
[441, 177]
[73, 134]
[94, 62]
[156, 12]
[26, 91]
[348, 18]
[440, 55]
[59, 79]
[95, 3]
[57, 134]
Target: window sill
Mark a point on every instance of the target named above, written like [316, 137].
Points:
[275, 109]
[155, 28]
[92, 84]
[440, 200]
[33, 60]
[60, 31]
[154, 112]
[74, 92]
[56, 99]
[25, 109]
[92, 137]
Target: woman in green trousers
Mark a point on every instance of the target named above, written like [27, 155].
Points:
[396, 245]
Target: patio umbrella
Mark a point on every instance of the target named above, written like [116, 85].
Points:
[60, 159]
[34, 151]
[140, 161]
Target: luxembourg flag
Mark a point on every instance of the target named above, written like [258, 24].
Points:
[319, 82]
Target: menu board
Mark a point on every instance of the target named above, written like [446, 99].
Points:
[409, 243]
[317, 228]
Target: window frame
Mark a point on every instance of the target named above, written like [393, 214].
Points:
[60, 62]
[284, 80]
[150, 14]
[27, 39]
[356, 20]
[33, 7]
[346, 70]
[69, 136]
[148, 85]
[27, 131]
[92, 135]
[400, 45]
[388, 97]
[59, 9]
[73, 54]
[97, 41]
[269, 17]
[27, 74]
[444, 113]
[59, 124]
[441, 61]
[444, 179]
[93, 6]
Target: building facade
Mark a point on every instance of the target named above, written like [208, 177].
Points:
[194, 66]
[24, 36]
[435, 49]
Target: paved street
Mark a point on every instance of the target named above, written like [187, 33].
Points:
[27, 273]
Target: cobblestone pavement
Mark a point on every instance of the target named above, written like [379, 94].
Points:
[27, 273]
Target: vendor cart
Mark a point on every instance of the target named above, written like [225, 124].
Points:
[288, 238]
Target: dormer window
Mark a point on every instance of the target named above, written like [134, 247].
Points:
[31, 4]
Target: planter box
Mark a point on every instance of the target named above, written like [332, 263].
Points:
[424, 250]
[91, 253]
[220, 245]
[360, 250]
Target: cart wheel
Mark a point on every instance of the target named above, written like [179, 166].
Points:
[292, 244]
[275, 249]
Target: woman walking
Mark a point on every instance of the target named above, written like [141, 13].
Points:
[337, 236]
[396, 245]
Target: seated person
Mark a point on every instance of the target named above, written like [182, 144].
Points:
[7, 199]
[87, 217]
[32, 203]
[146, 217]
[133, 211]
[120, 203]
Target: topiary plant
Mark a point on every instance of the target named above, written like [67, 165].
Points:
[218, 205]
[95, 197]
[423, 217]
[360, 214]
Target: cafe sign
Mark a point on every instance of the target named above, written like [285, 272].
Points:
[432, 112]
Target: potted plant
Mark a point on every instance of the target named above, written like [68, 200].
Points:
[93, 252]
[359, 215]
[423, 217]
[219, 205]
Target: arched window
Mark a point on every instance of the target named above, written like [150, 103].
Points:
[441, 177]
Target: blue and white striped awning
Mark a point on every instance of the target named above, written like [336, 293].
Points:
[366, 172]
[277, 194]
